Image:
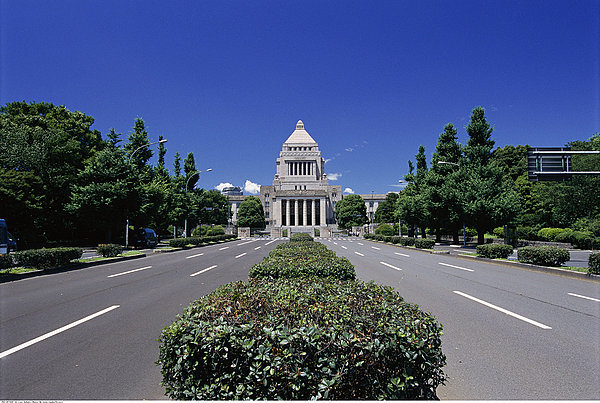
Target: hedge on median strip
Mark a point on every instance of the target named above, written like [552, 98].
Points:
[195, 241]
[494, 251]
[543, 255]
[46, 258]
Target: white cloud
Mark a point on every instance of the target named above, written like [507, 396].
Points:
[328, 159]
[251, 187]
[222, 186]
[334, 176]
[349, 191]
[349, 149]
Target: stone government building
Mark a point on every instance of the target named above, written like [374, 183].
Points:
[301, 198]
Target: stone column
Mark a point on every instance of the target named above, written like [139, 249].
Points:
[323, 212]
[296, 204]
[287, 212]
[313, 213]
[304, 215]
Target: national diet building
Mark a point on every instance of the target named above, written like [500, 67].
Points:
[301, 198]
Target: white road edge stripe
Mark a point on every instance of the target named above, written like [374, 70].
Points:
[359, 254]
[455, 267]
[130, 271]
[57, 331]
[238, 256]
[584, 297]
[401, 254]
[202, 271]
[514, 315]
[190, 257]
[389, 265]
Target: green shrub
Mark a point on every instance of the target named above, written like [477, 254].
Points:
[301, 237]
[317, 232]
[183, 242]
[216, 230]
[528, 233]
[5, 262]
[594, 263]
[579, 239]
[46, 258]
[302, 339]
[494, 251]
[550, 234]
[543, 255]
[385, 229]
[424, 243]
[109, 250]
[498, 232]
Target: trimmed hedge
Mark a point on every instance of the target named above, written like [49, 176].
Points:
[303, 258]
[594, 263]
[302, 339]
[183, 242]
[46, 258]
[494, 251]
[301, 237]
[385, 229]
[424, 243]
[5, 262]
[550, 234]
[109, 250]
[543, 255]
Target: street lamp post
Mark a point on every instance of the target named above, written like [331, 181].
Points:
[131, 156]
[185, 233]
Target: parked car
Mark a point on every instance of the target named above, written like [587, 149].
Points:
[145, 238]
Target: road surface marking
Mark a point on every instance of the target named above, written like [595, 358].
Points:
[389, 265]
[514, 315]
[130, 271]
[361, 244]
[257, 248]
[224, 247]
[401, 254]
[269, 243]
[334, 242]
[456, 267]
[359, 254]
[57, 331]
[193, 256]
[584, 297]
[238, 256]
[375, 247]
[244, 243]
[344, 247]
[202, 271]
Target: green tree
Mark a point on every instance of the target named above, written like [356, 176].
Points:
[137, 147]
[214, 208]
[351, 211]
[386, 209]
[251, 213]
[191, 173]
[480, 144]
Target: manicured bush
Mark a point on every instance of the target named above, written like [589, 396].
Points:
[302, 339]
[494, 251]
[183, 242]
[424, 243]
[385, 229]
[594, 263]
[109, 250]
[550, 234]
[543, 255]
[5, 262]
[46, 258]
[301, 237]
[216, 230]
[579, 239]
[528, 233]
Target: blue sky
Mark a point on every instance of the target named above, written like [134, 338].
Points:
[371, 80]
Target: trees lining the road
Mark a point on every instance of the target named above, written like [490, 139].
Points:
[61, 181]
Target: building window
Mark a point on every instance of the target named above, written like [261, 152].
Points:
[266, 204]
[266, 214]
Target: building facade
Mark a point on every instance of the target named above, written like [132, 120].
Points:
[301, 198]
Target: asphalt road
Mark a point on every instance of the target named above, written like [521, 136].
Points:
[91, 333]
[124, 306]
[508, 333]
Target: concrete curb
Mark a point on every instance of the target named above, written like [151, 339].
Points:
[5, 278]
[527, 266]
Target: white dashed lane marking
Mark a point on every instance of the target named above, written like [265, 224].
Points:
[456, 267]
[130, 271]
[203, 271]
[193, 256]
[391, 266]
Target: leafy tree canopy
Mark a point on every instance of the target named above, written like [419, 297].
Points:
[351, 211]
[251, 213]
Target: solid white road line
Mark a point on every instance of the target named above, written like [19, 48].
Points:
[584, 297]
[401, 254]
[257, 248]
[202, 271]
[456, 267]
[514, 315]
[130, 271]
[359, 254]
[389, 265]
[268, 243]
[223, 248]
[193, 256]
[375, 247]
[57, 331]
[238, 256]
